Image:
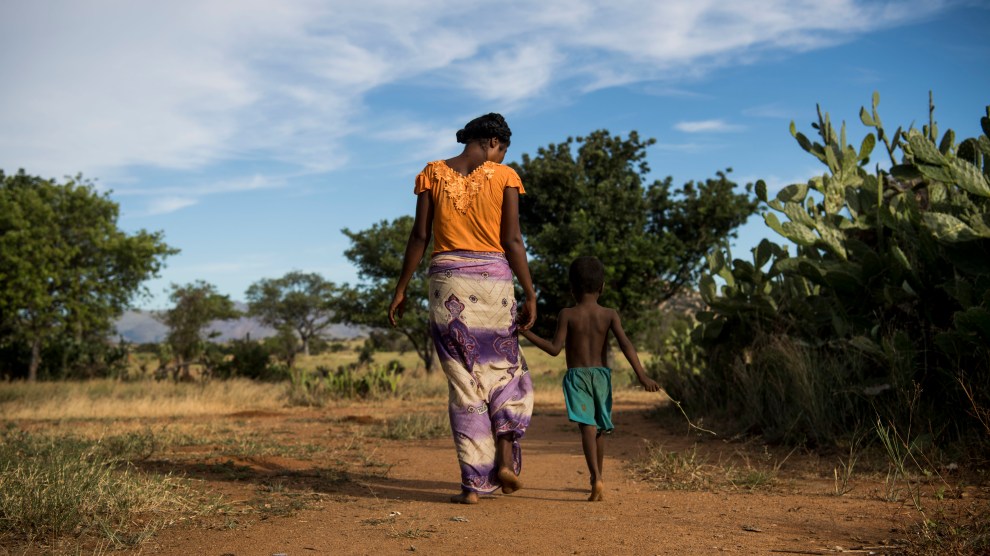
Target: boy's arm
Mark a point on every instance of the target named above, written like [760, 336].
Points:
[630, 352]
[551, 347]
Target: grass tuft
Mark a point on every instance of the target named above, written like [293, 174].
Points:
[673, 470]
[415, 426]
[52, 487]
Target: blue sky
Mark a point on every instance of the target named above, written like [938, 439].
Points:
[252, 132]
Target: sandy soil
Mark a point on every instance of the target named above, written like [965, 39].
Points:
[357, 493]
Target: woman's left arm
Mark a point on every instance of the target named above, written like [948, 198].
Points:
[419, 238]
[515, 252]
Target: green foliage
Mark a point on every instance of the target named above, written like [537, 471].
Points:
[316, 389]
[300, 301]
[651, 237]
[283, 346]
[195, 306]
[678, 358]
[248, 359]
[377, 253]
[88, 355]
[66, 269]
[888, 290]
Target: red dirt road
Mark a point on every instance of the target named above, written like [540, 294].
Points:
[403, 508]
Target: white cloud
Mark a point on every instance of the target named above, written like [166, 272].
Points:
[165, 205]
[100, 87]
[512, 75]
[706, 126]
[247, 183]
[167, 199]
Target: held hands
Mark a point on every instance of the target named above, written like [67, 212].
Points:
[397, 307]
[527, 315]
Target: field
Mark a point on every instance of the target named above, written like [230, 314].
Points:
[233, 467]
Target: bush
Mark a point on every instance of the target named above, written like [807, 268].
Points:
[248, 359]
[345, 383]
[888, 293]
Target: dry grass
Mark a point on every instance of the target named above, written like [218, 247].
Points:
[147, 398]
[54, 487]
[110, 399]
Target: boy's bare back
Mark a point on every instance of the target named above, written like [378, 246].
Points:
[582, 331]
[586, 326]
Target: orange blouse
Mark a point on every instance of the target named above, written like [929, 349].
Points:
[467, 210]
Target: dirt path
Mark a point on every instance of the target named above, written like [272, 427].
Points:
[399, 505]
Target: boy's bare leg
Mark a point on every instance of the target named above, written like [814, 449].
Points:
[591, 441]
[510, 481]
[465, 497]
[600, 448]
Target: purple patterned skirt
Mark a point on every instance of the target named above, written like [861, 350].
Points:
[472, 320]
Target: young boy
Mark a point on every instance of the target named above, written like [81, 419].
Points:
[583, 331]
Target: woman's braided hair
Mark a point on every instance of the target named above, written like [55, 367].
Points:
[485, 127]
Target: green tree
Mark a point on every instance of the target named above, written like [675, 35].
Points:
[66, 269]
[300, 301]
[651, 236]
[377, 252]
[196, 305]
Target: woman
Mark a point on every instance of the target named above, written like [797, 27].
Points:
[470, 205]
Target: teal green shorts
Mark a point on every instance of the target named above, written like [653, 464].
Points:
[588, 396]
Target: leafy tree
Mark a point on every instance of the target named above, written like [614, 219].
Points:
[377, 252]
[66, 270]
[196, 305]
[299, 301]
[283, 346]
[652, 237]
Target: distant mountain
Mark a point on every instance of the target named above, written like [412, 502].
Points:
[141, 327]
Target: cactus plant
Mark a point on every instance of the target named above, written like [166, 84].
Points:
[889, 282]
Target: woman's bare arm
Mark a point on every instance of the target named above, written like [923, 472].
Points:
[630, 352]
[419, 238]
[515, 252]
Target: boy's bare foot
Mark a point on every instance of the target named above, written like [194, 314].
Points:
[467, 497]
[510, 481]
[597, 492]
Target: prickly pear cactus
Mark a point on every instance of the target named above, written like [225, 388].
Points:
[888, 268]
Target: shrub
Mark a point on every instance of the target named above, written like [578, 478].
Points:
[318, 388]
[888, 292]
[248, 359]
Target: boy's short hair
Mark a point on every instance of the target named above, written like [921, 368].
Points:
[587, 275]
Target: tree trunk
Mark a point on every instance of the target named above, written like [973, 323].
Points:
[35, 360]
[182, 370]
[431, 358]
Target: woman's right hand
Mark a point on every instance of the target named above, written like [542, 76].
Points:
[527, 316]
[397, 307]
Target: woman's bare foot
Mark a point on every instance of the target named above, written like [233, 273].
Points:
[466, 497]
[597, 492]
[510, 481]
